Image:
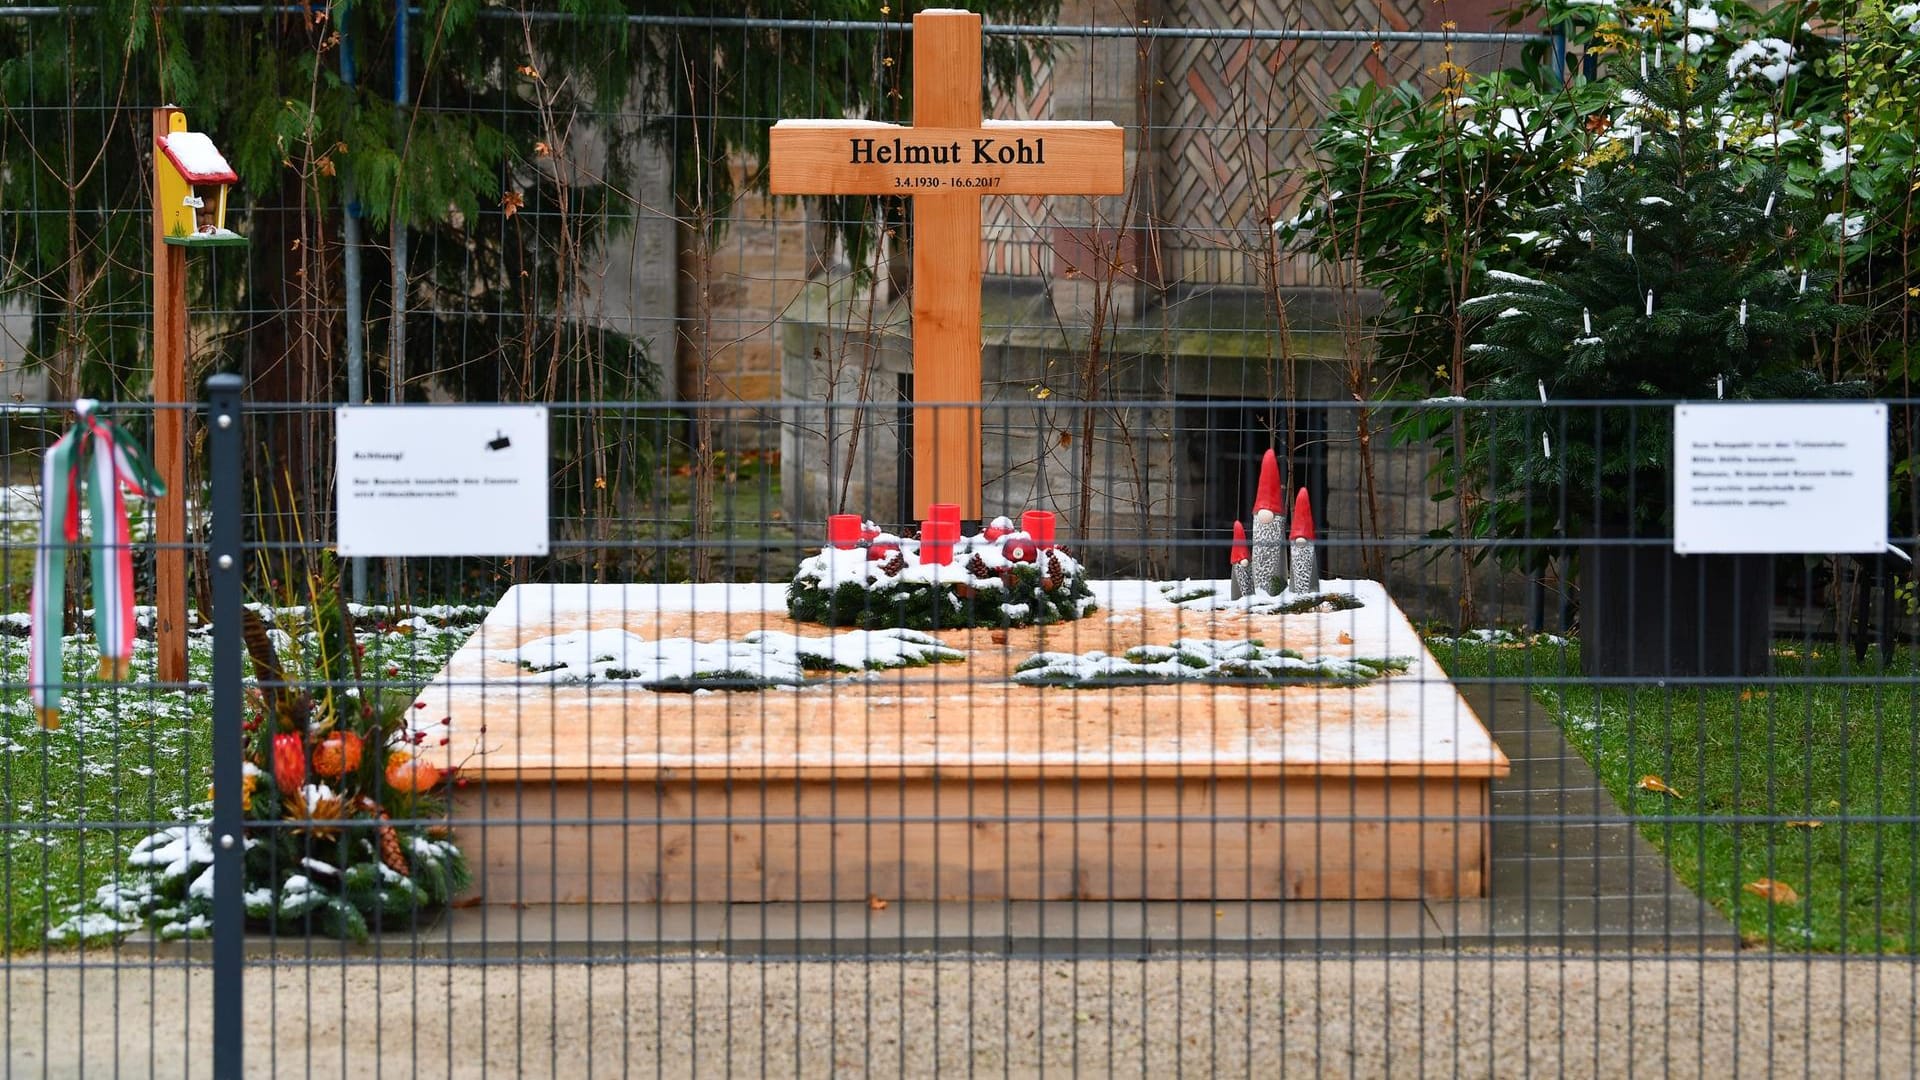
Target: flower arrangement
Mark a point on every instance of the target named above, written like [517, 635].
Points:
[999, 577]
[341, 788]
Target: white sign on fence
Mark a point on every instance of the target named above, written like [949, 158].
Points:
[1779, 477]
[442, 480]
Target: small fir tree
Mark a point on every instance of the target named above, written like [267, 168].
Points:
[1671, 268]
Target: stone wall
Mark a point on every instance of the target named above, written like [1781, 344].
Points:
[632, 290]
[647, 289]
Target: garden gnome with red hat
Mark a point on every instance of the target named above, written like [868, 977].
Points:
[1269, 529]
[1304, 577]
[1241, 570]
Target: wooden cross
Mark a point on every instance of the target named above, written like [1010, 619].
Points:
[945, 162]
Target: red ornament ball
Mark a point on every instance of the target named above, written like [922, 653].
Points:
[1021, 549]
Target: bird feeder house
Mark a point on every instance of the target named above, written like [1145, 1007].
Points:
[186, 165]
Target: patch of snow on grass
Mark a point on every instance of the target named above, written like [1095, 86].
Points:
[90, 924]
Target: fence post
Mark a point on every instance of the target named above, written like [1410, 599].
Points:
[224, 562]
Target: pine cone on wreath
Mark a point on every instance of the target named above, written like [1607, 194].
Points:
[977, 566]
[894, 565]
[1056, 575]
[391, 853]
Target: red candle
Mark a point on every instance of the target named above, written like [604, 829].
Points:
[843, 531]
[945, 512]
[936, 541]
[1039, 525]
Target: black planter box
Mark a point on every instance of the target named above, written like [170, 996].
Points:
[1646, 611]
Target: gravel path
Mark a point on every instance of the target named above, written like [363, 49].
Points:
[1441, 1015]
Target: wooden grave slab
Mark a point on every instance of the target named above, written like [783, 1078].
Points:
[952, 782]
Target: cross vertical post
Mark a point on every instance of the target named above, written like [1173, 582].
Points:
[946, 277]
[945, 162]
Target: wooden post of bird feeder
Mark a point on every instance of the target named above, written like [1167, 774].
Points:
[182, 159]
[169, 421]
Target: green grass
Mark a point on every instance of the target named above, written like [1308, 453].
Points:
[1825, 741]
[74, 800]
[748, 513]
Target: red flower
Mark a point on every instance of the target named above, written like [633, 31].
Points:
[289, 763]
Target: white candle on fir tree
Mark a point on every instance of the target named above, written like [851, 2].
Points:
[1768, 212]
[1586, 321]
[1629, 241]
[1649, 302]
[1803, 282]
[1743, 313]
[1643, 65]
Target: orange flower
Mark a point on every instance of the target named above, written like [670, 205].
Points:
[412, 775]
[337, 755]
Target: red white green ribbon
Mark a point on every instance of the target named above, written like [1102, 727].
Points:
[97, 461]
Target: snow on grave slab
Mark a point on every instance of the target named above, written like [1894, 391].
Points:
[760, 658]
[965, 717]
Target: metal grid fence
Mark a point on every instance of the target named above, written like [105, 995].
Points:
[1435, 831]
[958, 863]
